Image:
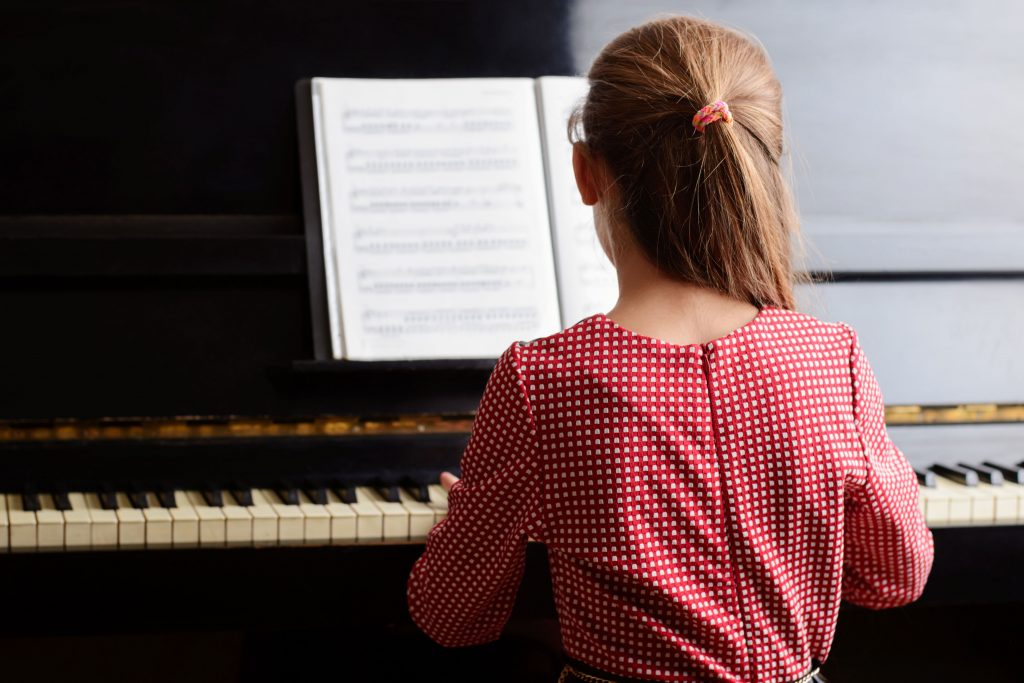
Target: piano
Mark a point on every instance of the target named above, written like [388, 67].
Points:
[179, 464]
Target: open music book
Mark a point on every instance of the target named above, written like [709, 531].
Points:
[448, 213]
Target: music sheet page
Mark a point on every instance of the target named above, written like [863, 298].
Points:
[437, 213]
[586, 278]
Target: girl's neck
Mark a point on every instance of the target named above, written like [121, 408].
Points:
[657, 306]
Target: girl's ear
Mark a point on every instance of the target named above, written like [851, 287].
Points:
[585, 171]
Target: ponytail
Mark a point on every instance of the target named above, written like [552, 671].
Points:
[710, 206]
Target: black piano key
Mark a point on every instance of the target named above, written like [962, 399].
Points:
[136, 493]
[317, 495]
[59, 492]
[390, 494]
[1010, 472]
[288, 496]
[166, 499]
[347, 494]
[138, 499]
[30, 502]
[957, 474]
[985, 474]
[422, 493]
[108, 500]
[925, 478]
[242, 496]
[213, 497]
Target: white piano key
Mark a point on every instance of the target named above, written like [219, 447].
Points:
[986, 509]
[438, 501]
[343, 520]
[77, 524]
[238, 522]
[936, 505]
[317, 521]
[5, 533]
[131, 524]
[396, 517]
[421, 516]
[961, 501]
[103, 523]
[212, 522]
[22, 525]
[290, 523]
[369, 520]
[1009, 503]
[49, 525]
[264, 520]
[159, 523]
[983, 506]
[983, 503]
[184, 522]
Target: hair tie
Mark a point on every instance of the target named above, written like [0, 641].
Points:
[710, 114]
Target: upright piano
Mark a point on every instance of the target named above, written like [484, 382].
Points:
[175, 458]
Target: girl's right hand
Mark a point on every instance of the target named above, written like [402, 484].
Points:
[447, 479]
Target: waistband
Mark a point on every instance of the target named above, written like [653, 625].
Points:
[574, 669]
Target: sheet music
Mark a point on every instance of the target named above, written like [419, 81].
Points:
[327, 234]
[437, 212]
[586, 278]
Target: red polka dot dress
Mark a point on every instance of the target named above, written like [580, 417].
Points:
[705, 506]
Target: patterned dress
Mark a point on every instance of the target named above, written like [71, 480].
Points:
[705, 506]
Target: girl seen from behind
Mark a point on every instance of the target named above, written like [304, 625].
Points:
[708, 467]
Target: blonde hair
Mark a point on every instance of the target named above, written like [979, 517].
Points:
[713, 207]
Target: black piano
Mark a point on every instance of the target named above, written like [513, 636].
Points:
[158, 353]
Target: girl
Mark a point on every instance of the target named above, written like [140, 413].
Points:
[708, 468]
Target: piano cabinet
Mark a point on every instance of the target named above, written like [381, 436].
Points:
[266, 613]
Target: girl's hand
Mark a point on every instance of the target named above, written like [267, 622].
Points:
[447, 479]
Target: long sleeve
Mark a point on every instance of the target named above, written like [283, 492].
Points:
[462, 589]
[888, 548]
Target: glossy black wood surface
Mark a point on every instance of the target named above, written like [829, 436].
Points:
[165, 107]
[369, 580]
[152, 259]
[270, 610]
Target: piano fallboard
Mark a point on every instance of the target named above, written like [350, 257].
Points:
[322, 586]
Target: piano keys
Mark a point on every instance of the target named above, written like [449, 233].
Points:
[949, 496]
[192, 521]
[953, 498]
[958, 488]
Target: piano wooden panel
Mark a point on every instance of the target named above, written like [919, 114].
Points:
[933, 341]
[872, 246]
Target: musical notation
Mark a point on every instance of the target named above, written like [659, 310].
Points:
[434, 198]
[403, 120]
[436, 189]
[444, 279]
[432, 160]
[453, 239]
[468, 322]
[586, 279]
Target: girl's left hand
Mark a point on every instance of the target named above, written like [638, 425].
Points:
[447, 479]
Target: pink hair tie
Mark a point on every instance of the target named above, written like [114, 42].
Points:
[710, 114]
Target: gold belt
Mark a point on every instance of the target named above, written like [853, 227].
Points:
[568, 670]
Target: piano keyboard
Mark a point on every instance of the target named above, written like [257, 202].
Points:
[972, 495]
[984, 494]
[190, 519]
